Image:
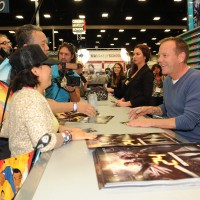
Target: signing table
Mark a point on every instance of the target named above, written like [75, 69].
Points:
[69, 172]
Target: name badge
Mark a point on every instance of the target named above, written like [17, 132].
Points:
[158, 90]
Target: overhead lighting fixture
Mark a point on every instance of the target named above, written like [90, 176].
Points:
[77, 0]
[184, 19]
[98, 35]
[97, 42]
[82, 16]
[184, 30]
[102, 31]
[47, 16]
[153, 38]
[142, 30]
[112, 44]
[115, 39]
[177, 0]
[133, 38]
[19, 17]
[158, 43]
[104, 15]
[128, 18]
[141, 0]
[61, 39]
[121, 30]
[55, 31]
[167, 30]
[156, 18]
[127, 44]
[12, 32]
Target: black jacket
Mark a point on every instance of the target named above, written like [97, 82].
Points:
[138, 90]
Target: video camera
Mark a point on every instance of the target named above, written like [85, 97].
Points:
[67, 72]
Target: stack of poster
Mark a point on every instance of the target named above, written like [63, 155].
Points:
[148, 165]
[108, 140]
[83, 118]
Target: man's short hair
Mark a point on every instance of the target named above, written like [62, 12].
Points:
[181, 45]
[24, 34]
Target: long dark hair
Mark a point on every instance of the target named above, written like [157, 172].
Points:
[115, 79]
[158, 66]
[71, 48]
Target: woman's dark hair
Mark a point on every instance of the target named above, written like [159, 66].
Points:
[115, 79]
[145, 50]
[158, 66]
[71, 48]
[24, 78]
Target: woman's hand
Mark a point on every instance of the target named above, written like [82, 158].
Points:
[110, 90]
[81, 135]
[86, 108]
[69, 128]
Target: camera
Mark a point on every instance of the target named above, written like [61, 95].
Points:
[72, 79]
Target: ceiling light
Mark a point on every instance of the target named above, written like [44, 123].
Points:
[153, 38]
[61, 39]
[142, 30]
[178, 0]
[55, 31]
[156, 18]
[184, 30]
[77, 0]
[47, 16]
[167, 30]
[158, 43]
[121, 30]
[19, 17]
[12, 32]
[141, 0]
[104, 15]
[115, 39]
[184, 19]
[112, 44]
[128, 18]
[82, 16]
[98, 35]
[102, 31]
[127, 44]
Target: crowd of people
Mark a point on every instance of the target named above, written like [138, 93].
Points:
[168, 89]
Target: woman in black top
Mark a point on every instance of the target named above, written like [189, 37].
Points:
[137, 89]
[117, 79]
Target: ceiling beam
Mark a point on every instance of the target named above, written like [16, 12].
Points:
[162, 27]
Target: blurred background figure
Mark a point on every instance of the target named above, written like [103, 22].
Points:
[96, 78]
[128, 70]
[157, 96]
[117, 79]
[84, 81]
[5, 47]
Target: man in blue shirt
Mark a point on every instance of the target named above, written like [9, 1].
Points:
[181, 107]
[59, 90]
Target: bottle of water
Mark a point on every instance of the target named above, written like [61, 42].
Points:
[92, 100]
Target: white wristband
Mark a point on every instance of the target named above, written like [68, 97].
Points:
[75, 107]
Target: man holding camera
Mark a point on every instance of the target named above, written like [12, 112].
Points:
[65, 82]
